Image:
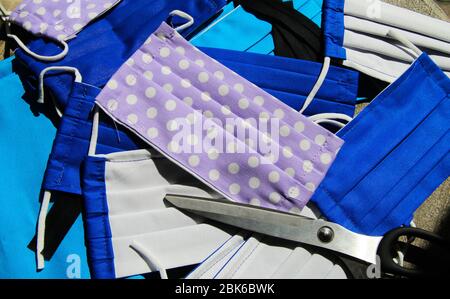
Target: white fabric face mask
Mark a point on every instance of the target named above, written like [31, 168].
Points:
[261, 257]
[211, 266]
[252, 256]
[129, 221]
[358, 33]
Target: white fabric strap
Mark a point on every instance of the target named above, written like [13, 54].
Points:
[182, 14]
[152, 261]
[40, 243]
[338, 116]
[40, 237]
[73, 70]
[22, 45]
[94, 134]
[318, 85]
[402, 39]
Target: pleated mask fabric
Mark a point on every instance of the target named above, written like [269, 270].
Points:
[57, 20]
[109, 42]
[408, 126]
[236, 29]
[131, 230]
[169, 84]
[71, 144]
[276, 75]
[250, 255]
[261, 257]
[357, 32]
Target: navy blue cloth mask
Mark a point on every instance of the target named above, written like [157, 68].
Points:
[397, 151]
[102, 47]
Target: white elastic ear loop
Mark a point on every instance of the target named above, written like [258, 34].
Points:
[183, 15]
[35, 55]
[337, 119]
[318, 85]
[151, 261]
[406, 42]
[40, 236]
[94, 134]
[42, 218]
[73, 70]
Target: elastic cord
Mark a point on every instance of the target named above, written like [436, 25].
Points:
[183, 15]
[338, 116]
[318, 85]
[94, 134]
[406, 42]
[40, 243]
[35, 55]
[73, 70]
[40, 237]
[336, 119]
[151, 261]
[331, 122]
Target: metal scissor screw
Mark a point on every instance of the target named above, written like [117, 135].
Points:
[325, 234]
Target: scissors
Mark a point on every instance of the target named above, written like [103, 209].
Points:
[356, 251]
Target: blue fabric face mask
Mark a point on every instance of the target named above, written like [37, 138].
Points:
[71, 144]
[24, 149]
[70, 148]
[397, 151]
[236, 29]
[111, 40]
[277, 74]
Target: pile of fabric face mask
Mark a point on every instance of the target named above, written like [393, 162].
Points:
[111, 105]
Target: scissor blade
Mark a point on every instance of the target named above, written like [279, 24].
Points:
[281, 225]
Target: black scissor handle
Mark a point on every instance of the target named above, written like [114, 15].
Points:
[387, 253]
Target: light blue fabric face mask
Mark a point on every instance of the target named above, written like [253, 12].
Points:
[236, 29]
[26, 141]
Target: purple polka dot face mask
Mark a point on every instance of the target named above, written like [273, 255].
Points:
[59, 20]
[227, 132]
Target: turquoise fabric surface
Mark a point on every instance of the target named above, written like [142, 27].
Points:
[235, 29]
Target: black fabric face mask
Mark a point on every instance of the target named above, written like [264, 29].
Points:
[294, 35]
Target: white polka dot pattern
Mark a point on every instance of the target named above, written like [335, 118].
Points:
[59, 19]
[181, 87]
